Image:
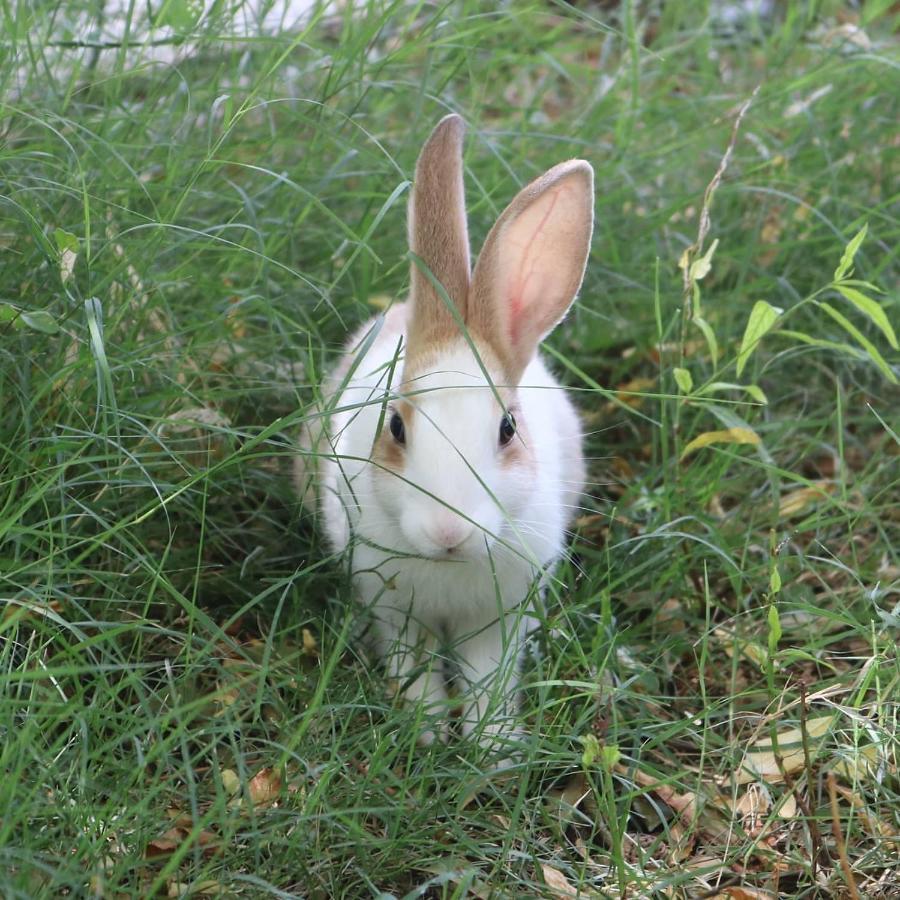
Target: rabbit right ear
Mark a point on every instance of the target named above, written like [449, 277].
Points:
[532, 264]
[439, 237]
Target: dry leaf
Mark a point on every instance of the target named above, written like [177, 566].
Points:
[742, 648]
[861, 765]
[310, 644]
[796, 501]
[165, 844]
[264, 787]
[753, 808]
[557, 882]
[735, 892]
[788, 807]
[726, 436]
[66, 264]
[206, 888]
[457, 870]
[876, 827]
[629, 391]
[565, 801]
[761, 764]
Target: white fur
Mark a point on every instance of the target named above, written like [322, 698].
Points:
[423, 598]
[451, 533]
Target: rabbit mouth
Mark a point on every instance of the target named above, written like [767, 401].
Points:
[452, 545]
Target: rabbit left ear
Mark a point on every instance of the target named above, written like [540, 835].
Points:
[532, 264]
[439, 237]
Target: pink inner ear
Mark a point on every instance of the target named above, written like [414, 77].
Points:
[525, 287]
[515, 308]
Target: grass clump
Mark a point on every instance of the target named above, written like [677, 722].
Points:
[194, 215]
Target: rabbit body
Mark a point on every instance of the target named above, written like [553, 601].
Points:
[450, 464]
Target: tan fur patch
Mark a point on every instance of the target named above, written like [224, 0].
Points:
[386, 452]
[417, 365]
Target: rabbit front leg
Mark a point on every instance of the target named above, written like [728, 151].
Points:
[410, 652]
[489, 657]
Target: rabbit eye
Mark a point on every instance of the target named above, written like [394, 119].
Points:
[507, 429]
[397, 428]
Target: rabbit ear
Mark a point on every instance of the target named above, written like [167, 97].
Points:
[438, 236]
[532, 264]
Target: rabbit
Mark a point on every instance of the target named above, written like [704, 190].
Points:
[449, 457]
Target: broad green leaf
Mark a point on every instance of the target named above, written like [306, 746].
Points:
[865, 285]
[8, 312]
[850, 252]
[855, 352]
[39, 320]
[753, 390]
[700, 267]
[67, 244]
[683, 380]
[726, 436]
[710, 336]
[762, 317]
[774, 620]
[774, 588]
[591, 750]
[181, 15]
[872, 308]
[864, 342]
[65, 240]
[610, 756]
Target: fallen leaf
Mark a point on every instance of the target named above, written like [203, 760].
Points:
[753, 807]
[796, 501]
[557, 882]
[264, 787]
[564, 802]
[735, 892]
[629, 392]
[726, 436]
[787, 809]
[858, 763]
[761, 764]
[165, 844]
[310, 644]
[876, 827]
[457, 871]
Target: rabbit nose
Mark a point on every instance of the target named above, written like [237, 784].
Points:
[449, 531]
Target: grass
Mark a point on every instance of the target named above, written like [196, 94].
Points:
[186, 242]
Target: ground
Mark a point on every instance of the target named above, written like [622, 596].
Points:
[187, 238]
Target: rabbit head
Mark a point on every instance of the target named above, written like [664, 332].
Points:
[462, 453]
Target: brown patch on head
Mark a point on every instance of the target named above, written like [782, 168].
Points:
[417, 365]
[387, 453]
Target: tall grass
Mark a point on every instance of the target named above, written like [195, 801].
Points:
[192, 219]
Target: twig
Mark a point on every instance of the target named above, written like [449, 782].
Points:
[807, 767]
[696, 248]
[839, 837]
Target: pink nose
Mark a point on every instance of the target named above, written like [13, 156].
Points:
[448, 531]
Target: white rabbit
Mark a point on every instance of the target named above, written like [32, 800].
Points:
[450, 459]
